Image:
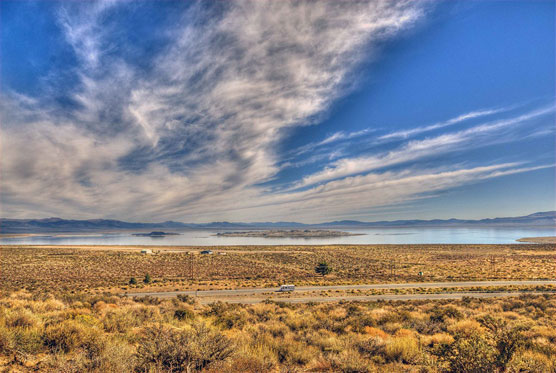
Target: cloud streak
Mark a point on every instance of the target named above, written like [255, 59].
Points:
[447, 123]
[203, 122]
[418, 149]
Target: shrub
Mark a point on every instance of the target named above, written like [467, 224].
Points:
[403, 349]
[323, 269]
[530, 361]
[118, 321]
[71, 335]
[375, 332]
[176, 350]
[27, 340]
[133, 281]
[372, 347]
[437, 339]
[183, 314]
[469, 354]
[349, 361]
[5, 340]
[234, 318]
[508, 338]
[441, 314]
[117, 357]
[186, 299]
[21, 318]
[145, 314]
[467, 328]
[292, 352]
[241, 364]
[147, 279]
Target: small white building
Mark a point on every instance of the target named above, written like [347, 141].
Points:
[146, 251]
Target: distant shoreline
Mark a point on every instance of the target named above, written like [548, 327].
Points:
[547, 239]
[292, 233]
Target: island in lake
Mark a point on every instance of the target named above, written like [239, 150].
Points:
[304, 233]
[156, 234]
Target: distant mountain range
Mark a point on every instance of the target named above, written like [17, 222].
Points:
[57, 225]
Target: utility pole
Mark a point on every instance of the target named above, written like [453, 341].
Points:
[191, 257]
[493, 266]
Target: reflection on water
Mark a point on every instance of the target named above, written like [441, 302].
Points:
[370, 236]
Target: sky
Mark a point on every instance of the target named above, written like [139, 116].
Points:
[252, 111]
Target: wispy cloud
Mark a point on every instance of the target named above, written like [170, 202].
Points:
[447, 123]
[203, 122]
[347, 197]
[418, 149]
[332, 139]
[83, 31]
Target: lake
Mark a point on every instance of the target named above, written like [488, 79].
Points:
[370, 236]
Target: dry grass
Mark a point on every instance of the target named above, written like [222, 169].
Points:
[86, 333]
[76, 269]
[69, 320]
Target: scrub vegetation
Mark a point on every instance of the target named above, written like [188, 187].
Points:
[105, 333]
[99, 269]
[60, 311]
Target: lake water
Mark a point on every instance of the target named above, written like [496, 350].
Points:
[370, 236]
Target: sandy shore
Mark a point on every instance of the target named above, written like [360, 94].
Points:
[548, 239]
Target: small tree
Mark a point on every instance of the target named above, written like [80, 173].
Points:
[147, 279]
[133, 281]
[323, 269]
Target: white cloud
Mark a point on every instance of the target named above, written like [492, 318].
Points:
[418, 149]
[449, 122]
[357, 195]
[203, 124]
[83, 30]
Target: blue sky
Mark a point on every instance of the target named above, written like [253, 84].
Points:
[274, 110]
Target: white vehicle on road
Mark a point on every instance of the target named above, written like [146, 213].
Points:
[287, 288]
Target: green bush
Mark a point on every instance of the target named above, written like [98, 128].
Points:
[147, 279]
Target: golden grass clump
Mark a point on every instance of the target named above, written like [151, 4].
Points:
[467, 328]
[403, 349]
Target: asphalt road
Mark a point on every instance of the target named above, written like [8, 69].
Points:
[246, 295]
